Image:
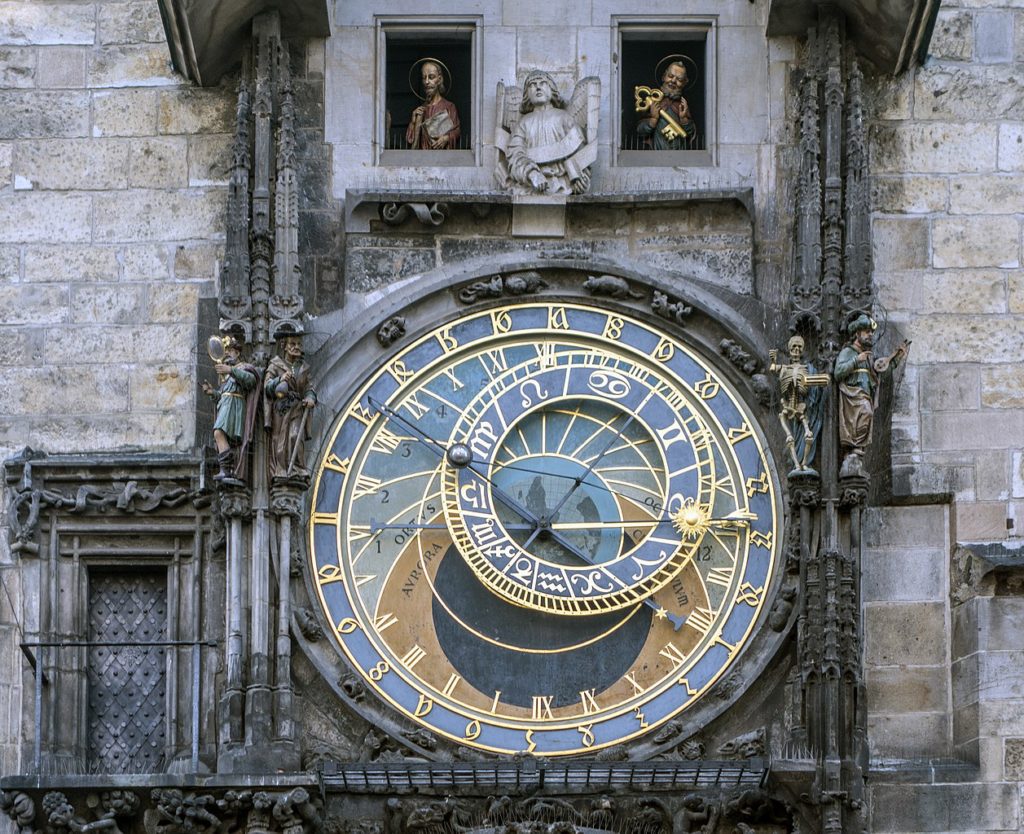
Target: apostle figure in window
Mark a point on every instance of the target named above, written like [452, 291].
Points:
[434, 125]
[289, 400]
[668, 126]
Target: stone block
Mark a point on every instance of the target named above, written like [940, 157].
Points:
[35, 24]
[106, 303]
[970, 92]
[132, 23]
[1013, 759]
[976, 241]
[1015, 291]
[963, 291]
[1002, 386]
[161, 387]
[980, 521]
[1001, 675]
[951, 388]
[557, 15]
[898, 634]
[124, 112]
[992, 481]
[79, 389]
[28, 217]
[145, 263]
[945, 808]
[933, 148]
[173, 302]
[914, 526]
[33, 304]
[903, 574]
[17, 67]
[966, 337]
[33, 115]
[6, 161]
[154, 343]
[911, 689]
[993, 36]
[61, 67]
[963, 675]
[209, 160]
[132, 66]
[986, 194]
[953, 38]
[1011, 147]
[81, 164]
[1001, 623]
[197, 261]
[1017, 474]
[908, 735]
[162, 431]
[892, 100]
[158, 162]
[137, 216]
[965, 629]
[900, 244]
[909, 195]
[544, 46]
[192, 111]
[370, 269]
[70, 263]
[1001, 718]
[20, 346]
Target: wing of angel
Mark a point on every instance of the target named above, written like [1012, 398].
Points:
[507, 112]
[585, 104]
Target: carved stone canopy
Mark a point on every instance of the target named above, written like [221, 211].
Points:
[207, 39]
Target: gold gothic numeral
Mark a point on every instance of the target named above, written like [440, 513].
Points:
[755, 485]
[531, 745]
[707, 387]
[424, 706]
[399, 371]
[347, 626]
[741, 433]
[686, 684]
[613, 328]
[325, 518]
[664, 351]
[337, 464]
[330, 573]
[500, 321]
[364, 415]
[447, 340]
[759, 539]
[749, 594]
[472, 730]
[586, 732]
[641, 718]
[673, 653]
[558, 319]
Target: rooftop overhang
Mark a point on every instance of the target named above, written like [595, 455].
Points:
[892, 34]
[206, 38]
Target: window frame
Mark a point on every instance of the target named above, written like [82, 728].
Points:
[666, 28]
[405, 27]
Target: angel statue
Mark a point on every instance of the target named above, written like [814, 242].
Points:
[547, 146]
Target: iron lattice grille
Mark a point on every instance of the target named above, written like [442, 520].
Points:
[127, 684]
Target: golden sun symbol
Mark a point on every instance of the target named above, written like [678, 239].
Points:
[691, 519]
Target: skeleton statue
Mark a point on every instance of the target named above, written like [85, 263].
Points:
[800, 412]
[547, 144]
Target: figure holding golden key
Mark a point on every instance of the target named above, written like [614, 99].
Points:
[668, 125]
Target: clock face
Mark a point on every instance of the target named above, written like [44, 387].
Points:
[543, 528]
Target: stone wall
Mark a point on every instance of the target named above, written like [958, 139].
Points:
[112, 174]
[943, 658]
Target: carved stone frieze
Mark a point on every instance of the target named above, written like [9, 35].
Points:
[429, 214]
[514, 284]
[610, 286]
[391, 331]
[745, 746]
[178, 812]
[670, 308]
[19, 808]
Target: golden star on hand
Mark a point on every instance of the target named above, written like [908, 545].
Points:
[661, 613]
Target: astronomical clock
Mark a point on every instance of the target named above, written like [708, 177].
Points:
[545, 527]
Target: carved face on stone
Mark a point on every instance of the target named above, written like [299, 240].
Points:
[673, 81]
[538, 90]
[432, 79]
